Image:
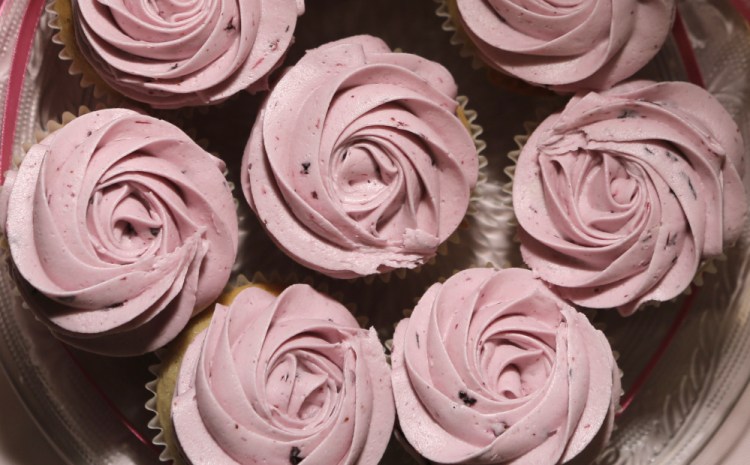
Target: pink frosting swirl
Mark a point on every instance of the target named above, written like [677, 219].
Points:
[171, 54]
[120, 228]
[493, 368]
[571, 45]
[621, 195]
[358, 164]
[284, 379]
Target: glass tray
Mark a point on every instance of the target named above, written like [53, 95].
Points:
[86, 404]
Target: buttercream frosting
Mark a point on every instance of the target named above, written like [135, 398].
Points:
[172, 54]
[622, 194]
[357, 163]
[284, 379]
[120, 228]
[493, 368]
[571, 45]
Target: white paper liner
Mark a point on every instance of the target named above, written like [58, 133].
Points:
[65, 37]
[273, 279]
[706, 266]
[457, 37]
[469, 51]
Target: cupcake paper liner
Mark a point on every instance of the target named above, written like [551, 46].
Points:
[706, 266]
[485, 223]
[170, 357]
[468, 118]
[482, 239]
[448, 10]
[61, 14]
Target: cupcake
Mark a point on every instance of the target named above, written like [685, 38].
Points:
[357, 163]
[568, 46]
[622, 194]
[177, 54]
[120, 228]
[493, 368]
[287, 378]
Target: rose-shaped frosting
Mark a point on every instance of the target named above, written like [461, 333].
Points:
[358, 164]
[571, 45]
[284, 379]
[493, 368]
[621, 195]
[171, 54]
[120, 228]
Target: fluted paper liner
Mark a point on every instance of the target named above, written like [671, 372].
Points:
[61, 13]
[706, 266]
[165, 372]
[448, 10]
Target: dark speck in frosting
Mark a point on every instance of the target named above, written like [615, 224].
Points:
[294, 457]
[672, 156]
[155, 231]
[230, 25]
[690, 186]
[467, 400]
[627, 113]
[305, 168]
[129, 230]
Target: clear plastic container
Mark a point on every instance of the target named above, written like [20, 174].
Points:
[83, 402]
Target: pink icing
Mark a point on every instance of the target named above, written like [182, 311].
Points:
[493, 368]
[621, 195]
[120, 229]
[571, 45]
[357, 164]
[279, 379]
[173, 54]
